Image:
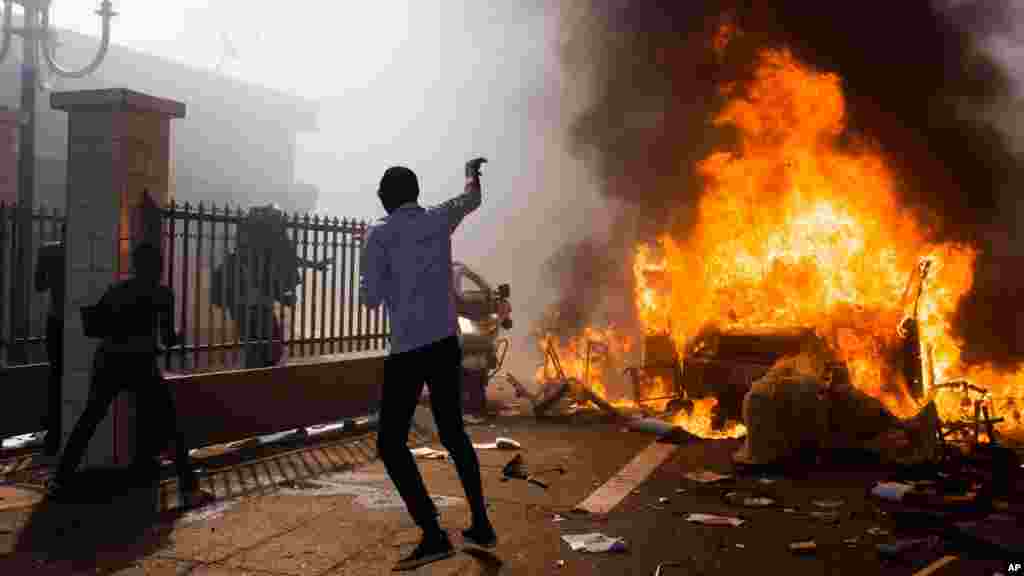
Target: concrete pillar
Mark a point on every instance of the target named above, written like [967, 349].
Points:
[119, 145]
[9, 122]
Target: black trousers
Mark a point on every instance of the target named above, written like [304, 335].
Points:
[439, 365]
[157, 416]
[54, 408]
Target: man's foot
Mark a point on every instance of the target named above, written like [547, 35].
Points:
[191, 499]
[481, 535]
[431, 549]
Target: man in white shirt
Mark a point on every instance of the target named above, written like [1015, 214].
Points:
[406, 264]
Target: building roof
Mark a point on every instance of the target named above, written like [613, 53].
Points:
[125, 67]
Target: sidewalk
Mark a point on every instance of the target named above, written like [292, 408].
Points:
[329, 509]
[332, 512]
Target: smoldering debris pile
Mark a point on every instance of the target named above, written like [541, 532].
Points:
[799, 406]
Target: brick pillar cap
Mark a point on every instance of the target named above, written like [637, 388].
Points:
[116, 99]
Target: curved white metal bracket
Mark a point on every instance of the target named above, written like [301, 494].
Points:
[106, 12]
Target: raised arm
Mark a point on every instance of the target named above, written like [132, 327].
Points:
[452, 212]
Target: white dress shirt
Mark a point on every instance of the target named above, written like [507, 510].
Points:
[406, 264]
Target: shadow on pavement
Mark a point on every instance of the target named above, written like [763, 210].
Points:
[490, 565]
[107, 522]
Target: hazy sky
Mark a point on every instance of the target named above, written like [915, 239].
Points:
[427, 83]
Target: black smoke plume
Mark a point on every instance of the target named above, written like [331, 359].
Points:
[916, 82]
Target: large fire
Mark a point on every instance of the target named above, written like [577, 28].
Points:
[795, 230]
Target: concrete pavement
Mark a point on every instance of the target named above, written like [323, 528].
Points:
[329, 509]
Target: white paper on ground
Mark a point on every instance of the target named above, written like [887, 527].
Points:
[594, 542]
[429, 453]
[715, 520]
[893, 491]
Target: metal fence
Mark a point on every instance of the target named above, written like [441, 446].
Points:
[228, 288]
[23, 336]
[228, 277]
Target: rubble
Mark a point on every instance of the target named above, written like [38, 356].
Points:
[833, 415]
[715, 520]
[594, 542]
[936, 566]
[902, 546]
[806, 546]
[707, 476]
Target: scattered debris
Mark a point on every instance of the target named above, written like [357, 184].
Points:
[767, 480]
[876, 531]
[653, 507]
[663, 565]
[680, 490]
[806, 546]
[594, 542]
[936, 566]
[500, 444]
[740, 546]
[1000, 530]
[651, 426]
[560, 564]
[515, 468]
[826, 517]
[891, 491]
[789, 510]
[901, 546]
[747, 500]
[715, 520]
[851, 541]
[663, 500]
[428, 453]
[707, 476]
[828, 503]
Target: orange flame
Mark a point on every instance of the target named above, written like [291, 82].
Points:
[796, 230]
[698, 421]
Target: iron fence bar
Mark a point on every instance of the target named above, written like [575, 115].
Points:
[196, 327]
[313, 290]
[222, 287]
[237, 310]
[305, 286]
[209, 282]
[361, 308]
[334, 282]
[170, 239]
[352, 287]
[186, 219]
[295, 295]
[321, 275]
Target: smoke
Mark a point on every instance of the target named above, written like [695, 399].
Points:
[917, 83]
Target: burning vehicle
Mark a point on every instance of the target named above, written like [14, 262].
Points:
[787, 299]
[484, 312]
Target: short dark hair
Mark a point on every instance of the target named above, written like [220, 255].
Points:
[398, 186]
[147, 260]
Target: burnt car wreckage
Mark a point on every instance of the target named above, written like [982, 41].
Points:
[727, 364]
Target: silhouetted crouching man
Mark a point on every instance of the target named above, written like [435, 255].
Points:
[135, 315]
[50, 278]
[407, 265]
